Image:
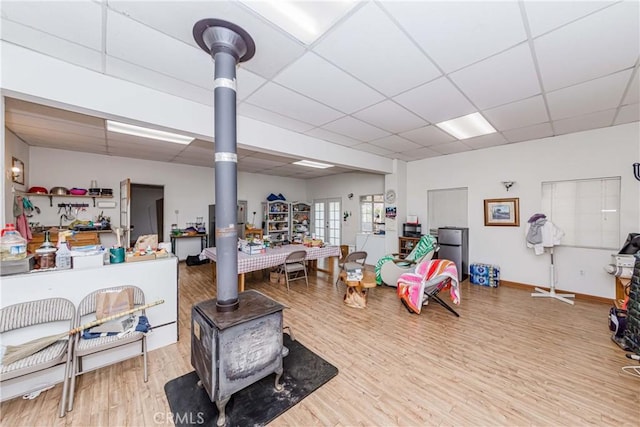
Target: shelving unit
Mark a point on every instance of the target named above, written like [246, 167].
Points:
[277, 221]
[300, 221]
[51, 196]
[406, 245]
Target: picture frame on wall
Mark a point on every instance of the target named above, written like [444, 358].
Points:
[502, 212]
[17, 171]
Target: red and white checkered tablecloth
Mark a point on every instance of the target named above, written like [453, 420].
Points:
[274, 256]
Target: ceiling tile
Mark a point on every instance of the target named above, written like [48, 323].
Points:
[355, 128]
[370, 148]
[451, 147]
[272, 118]
[420, 101]
[158, 81]
[566, 55]
[333, 137]
[486, 141]
[41, 126]
[417, 154]
[50, 45]
[369, 30]
[291, 104]
[517, 114]
[328, 85]
[77, 22]
[545, 16]
[274, 49]
[16, 106]
[541, 130]
[457, 34]
[633, 94]
[628, 114]
[390, 116]
[144, 154]
[395, 143]
[247, 83]
[138, 44]
[589, 97]
[503, 78]
[427, 136]
[586, 122]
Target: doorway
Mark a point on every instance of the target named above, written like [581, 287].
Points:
[147, 211]
[327, 220]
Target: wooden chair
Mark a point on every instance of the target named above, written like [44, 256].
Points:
[292, 266]
[60, 314]
[85, 347]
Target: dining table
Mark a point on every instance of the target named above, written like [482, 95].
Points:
[275, 256]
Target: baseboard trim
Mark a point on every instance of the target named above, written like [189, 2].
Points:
[583, 297]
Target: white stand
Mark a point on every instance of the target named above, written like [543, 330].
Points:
[551, 293]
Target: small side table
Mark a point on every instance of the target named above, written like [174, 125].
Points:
[356, 295]
[203, 241]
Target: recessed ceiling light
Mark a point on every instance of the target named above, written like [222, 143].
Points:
[467, 126]
[311, 164]
[147, 133]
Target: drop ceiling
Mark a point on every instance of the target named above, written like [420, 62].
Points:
[375, 78]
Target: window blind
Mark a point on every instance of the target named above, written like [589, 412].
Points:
[587, 210]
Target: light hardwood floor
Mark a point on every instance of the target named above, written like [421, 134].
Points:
[508, 360]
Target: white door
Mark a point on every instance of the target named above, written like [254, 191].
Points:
[326, 220]
[125, 211]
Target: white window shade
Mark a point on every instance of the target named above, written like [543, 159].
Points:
[587, 210]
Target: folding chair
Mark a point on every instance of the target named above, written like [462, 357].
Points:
[359, 257]
[45, 311]
[85, 347]
[292, 266]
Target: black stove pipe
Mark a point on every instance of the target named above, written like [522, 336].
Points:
[227, 44]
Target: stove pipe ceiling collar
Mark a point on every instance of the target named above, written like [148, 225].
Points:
[227, 44]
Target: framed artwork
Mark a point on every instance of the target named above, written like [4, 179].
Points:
[17, 171]
[502, 212]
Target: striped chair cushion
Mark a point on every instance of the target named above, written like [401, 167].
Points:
[49, 356]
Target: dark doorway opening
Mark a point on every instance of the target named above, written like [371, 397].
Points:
[147, 211]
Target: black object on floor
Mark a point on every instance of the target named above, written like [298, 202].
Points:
[258, 404]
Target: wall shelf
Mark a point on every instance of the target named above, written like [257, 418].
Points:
[51, 196]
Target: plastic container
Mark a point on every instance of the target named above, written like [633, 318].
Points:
[12, 245]
[63, 256]
[45, 258]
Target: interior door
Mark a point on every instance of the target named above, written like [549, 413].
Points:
[125, 211]
[327, 220]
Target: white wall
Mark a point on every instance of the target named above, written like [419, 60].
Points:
[188, 189]
[14, 147]
[339, 186]
[592, 154]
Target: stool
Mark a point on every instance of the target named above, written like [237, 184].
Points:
[356, 295]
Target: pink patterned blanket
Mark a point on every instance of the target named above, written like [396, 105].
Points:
[413, 286]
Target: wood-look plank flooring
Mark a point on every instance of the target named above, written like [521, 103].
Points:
[509, 360]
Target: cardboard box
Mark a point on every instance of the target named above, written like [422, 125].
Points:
[484, 275]
[136, 257]
[88, 261]
[273, 278]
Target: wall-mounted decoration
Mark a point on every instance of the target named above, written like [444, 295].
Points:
[17, 171]
[390, 212]
[502, 212]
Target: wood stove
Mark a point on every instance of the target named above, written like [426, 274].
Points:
[232, 350]
[236, 340]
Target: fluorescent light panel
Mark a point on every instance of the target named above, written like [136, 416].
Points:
[311, 164]
[304, 20]
[148, 133]
[467, 126]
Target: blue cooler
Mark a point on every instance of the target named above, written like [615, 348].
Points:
[484, 275]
